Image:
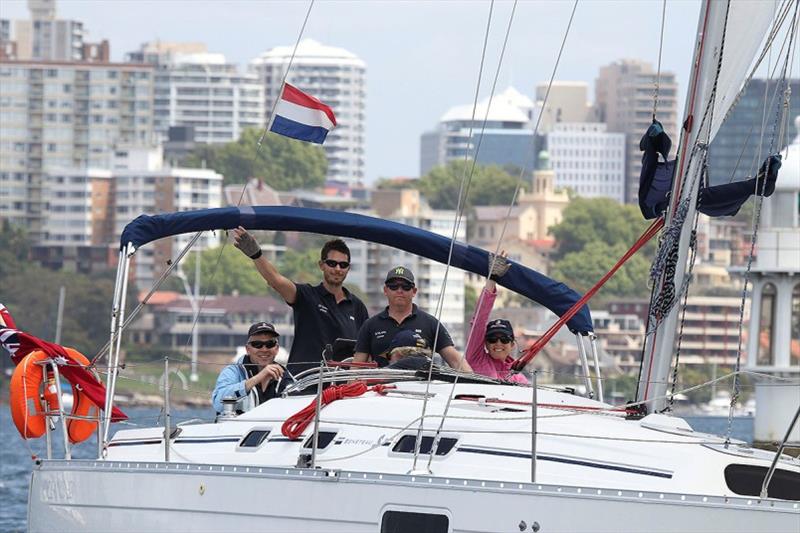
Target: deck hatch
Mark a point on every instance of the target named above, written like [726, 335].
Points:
[254, 439]
[406, 445]
[323, 441]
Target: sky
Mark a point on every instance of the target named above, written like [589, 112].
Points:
[422, 57]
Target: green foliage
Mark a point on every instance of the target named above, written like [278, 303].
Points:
[395, 184]
[581, 270]
[301, 266]
[591, 237]
[490, 185]
[282, 163]
[592, 220]
[223, 271]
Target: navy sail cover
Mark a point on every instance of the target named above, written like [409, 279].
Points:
[552, 294]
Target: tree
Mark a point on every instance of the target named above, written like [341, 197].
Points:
[593, 234]
[31, 294]
[598, 220]
[490, 185]
[282, 163]
[224, 270]
[301, 266]
[582, 269]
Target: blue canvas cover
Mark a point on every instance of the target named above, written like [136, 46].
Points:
[552, 294]
[655, 180]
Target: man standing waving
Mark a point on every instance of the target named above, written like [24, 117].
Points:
[322, 313]
[376, 334]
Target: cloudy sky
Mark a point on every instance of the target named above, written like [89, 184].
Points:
[422, 56]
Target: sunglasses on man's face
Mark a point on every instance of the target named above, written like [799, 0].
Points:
[344, 265]
[394, 286]
[271, 343]
[502, 338]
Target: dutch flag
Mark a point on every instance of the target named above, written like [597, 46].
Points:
[301, 116]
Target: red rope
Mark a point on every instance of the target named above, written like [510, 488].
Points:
[297, 423]
[531, 352]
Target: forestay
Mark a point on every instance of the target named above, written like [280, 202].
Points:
[525, 281]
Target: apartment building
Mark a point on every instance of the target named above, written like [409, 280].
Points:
[201, 90]
[624, 93]
[338, 78]
[588, 159]
[59, 116]
[567, 101]
[506, 137]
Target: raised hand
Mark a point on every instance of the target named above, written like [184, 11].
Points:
[245, 242]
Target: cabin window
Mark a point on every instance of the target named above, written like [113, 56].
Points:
[254, 439]
[746, 480]
[766, 356]
[323, 441]
[407, 442]
[794, 348]
[402, 521]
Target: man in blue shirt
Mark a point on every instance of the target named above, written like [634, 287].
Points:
[255, 377]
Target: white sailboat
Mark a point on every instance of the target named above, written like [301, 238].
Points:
[439, 455]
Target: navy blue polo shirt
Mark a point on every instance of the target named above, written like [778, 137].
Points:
[377, 332]
[319, 320]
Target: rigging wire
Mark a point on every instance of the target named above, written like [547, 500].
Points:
[437, 436]
[660, 50]
[759, 201]
[459, 211]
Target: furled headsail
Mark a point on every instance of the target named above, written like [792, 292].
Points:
[525, 281]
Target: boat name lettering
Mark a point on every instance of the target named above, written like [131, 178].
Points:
[58, 490]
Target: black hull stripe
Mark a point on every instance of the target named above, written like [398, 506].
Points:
[204, 441]
[522, 455]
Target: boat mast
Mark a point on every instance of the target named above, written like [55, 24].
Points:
[660, 341]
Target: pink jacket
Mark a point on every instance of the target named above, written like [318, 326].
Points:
[477, 356]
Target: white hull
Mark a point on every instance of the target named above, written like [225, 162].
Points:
[122, 496]
[595, 471]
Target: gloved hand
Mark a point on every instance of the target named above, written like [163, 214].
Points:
[498, 266]
[246, 243]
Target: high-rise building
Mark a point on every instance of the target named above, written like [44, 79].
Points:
[64, 116]
[371, 262]
[202, 90]
[739, 147]
[624, 92]
[588, 159]
[506, 138]
[336, 77]
[567, 101]
[45, 37]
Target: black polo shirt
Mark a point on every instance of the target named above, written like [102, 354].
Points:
[377, 332]
[319, 320]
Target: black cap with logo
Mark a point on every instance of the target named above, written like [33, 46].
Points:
[400, 272]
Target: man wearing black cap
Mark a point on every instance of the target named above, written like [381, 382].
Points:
[322, 313]
[376, 334]
[255, 377]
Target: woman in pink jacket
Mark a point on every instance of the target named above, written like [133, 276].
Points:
[490, 344]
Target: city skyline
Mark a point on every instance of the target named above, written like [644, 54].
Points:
[373, 31]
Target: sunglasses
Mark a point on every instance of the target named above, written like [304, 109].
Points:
[394, 286]
[271, 343]
[344, 265]
[502, 338]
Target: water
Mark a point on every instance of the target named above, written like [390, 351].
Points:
[16, 464]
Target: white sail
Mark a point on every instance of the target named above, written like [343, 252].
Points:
[736, 30]
[748, 23]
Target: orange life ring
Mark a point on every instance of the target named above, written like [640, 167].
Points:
[26, 406]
